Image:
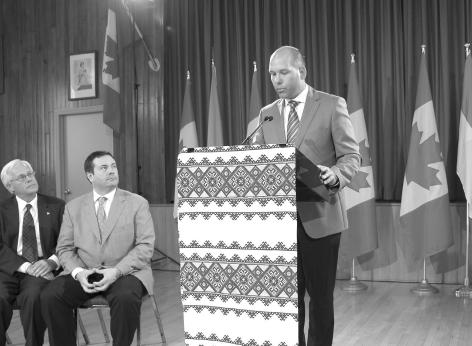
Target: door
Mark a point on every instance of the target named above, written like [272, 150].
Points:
[80, 132]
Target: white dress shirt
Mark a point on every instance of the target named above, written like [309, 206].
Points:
[109, 196]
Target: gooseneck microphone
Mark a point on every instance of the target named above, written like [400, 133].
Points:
[267, 118]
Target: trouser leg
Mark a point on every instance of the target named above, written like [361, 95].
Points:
[124, 297]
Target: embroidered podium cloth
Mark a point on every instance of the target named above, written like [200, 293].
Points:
[238, 245]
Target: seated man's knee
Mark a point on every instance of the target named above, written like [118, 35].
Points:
[126, 297]
[47, 296]
[30, 296]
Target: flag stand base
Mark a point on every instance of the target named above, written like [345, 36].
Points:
[354, 285]
[463, 292]
[424, 288]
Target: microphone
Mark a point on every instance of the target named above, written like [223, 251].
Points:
[267, 118]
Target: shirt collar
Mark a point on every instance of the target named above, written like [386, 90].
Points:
[22, 203]
[300, 98]
[109, 196]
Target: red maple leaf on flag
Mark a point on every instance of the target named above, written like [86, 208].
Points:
[359, 181]
[420, 156]
[111, 52]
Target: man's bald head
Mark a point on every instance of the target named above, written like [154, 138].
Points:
[293, 54]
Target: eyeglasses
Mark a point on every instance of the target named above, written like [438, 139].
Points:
[22, 177]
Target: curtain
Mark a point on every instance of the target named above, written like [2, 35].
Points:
[385, 35]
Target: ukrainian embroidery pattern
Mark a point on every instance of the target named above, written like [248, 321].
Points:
[238, 251]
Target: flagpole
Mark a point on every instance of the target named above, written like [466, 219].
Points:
[354, 285]
[153, 62]
[136, 109]
[465, 291]
[424, 288]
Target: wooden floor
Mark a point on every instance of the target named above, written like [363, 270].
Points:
[386, 314]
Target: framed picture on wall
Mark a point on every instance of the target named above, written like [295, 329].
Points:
[83, 79]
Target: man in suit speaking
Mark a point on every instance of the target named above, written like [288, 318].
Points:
[29, 227]
[105, 246]
[318, 125]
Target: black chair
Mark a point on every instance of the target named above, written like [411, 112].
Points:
[99, 302]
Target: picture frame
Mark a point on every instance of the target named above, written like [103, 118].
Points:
[83, 81]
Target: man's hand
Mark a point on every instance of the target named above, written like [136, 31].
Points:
[82, 278]
[328, 177]
[110, 275]
[41, 268]
[49, 276]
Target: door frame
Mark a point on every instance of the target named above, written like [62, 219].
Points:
[58, 139]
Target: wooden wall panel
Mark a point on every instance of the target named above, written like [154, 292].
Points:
[38, 38]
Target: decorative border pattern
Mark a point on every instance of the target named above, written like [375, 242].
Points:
[240, 312]
[227, 340]
[237, 215]
[231, 277]
[197, 296]
[236, 201]
[280, 246]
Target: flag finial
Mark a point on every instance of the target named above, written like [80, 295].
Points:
[353, 58]
[423, 48]
[255, 66]
[188, 74]
[467, 49]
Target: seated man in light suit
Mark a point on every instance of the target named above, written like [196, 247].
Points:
[107, 233]
[29, 227]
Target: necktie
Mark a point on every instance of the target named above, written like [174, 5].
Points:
[293, 122]
[101, 215]
[30, 245]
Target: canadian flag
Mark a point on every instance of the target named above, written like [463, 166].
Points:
[110, 74]
[361, 236]
[425, 224]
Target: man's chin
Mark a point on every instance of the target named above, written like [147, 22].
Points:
[282, 95]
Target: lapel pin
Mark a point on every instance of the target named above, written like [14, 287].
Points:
[48, 213]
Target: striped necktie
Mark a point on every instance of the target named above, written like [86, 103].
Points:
[101, 215]
[293, 122]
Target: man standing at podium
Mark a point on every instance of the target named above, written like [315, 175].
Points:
[318, 125]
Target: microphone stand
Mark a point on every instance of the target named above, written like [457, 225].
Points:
[267, 118]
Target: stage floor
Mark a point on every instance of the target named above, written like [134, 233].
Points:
[386, 314]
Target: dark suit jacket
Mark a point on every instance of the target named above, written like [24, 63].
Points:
[50, 211]
[325, 137]
[127, 238]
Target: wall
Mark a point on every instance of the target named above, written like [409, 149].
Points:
[38, 38]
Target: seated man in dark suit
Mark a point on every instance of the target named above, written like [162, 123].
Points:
[29, 228]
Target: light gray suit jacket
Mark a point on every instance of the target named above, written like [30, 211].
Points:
[127, 240]
[325, 137]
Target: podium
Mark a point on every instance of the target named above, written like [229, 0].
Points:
[238, 245]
